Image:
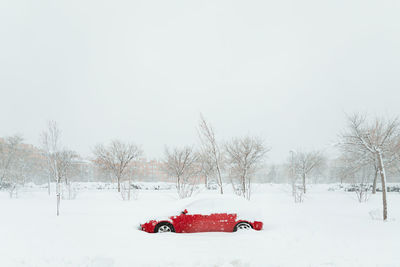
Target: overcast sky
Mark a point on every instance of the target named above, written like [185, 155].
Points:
[142, 71]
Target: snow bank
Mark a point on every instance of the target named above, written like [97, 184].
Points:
[99, 229]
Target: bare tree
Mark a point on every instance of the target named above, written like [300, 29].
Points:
[116, 157]
[344, 167]
[64, 164]
[59, 160]
[292, 173]
[14, 163]
[50, 145]
[8, 150]
[290, 167]
[210, 150]
[207, 168]
[350, 162]
[379, 138]
[244, 156]
[355, 170]
[272, 174]
[20, 169]
[183, 165]
[305, 163]
[361, 183]
[126, 186]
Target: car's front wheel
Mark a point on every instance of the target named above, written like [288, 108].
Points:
[242, 226]
[164, 227]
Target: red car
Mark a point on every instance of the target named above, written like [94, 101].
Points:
[206, 216]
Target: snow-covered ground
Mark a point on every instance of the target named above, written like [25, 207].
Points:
[98, 229]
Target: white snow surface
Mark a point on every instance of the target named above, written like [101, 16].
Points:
[98, 229]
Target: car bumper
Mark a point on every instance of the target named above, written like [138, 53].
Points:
[258, 226]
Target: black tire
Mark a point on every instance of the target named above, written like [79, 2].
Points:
[163, 227]
[242, 225]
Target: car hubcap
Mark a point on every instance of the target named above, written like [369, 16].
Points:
[243, 226]
[164, 229]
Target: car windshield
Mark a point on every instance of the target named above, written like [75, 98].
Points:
[201, 206]
[217, 204]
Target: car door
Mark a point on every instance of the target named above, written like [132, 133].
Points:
[221, 222]
[190, 223]
[197, 218]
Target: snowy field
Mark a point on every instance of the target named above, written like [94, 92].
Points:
[98, 229]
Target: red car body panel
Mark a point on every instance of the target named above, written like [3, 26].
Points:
[194, 223]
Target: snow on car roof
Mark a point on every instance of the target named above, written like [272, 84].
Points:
[210, 204]
[217, 202]
[206, 205]
[222, 204]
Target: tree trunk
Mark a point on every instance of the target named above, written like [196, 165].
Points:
[244, 190]
[58, 197]
[245, 187]
[374, 183]
[119, 184]
[178, 185]
[293, 175]
[129, 189]
[293, 183]
[48, 184]
[220, 179]
[383, 181]
[58, 189]
[304, 183]
[293, 188]
[248, 188]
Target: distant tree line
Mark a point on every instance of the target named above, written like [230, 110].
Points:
[369, 156]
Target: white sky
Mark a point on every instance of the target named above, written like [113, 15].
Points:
[142, 71]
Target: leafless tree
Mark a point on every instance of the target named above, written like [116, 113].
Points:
[20, 170]
[64, 159]
[116, 157]
[379, 138]
[207, 168]
[272, 173]
[126, 186]
[244, 156]
[344, 168]
[356, 171]
[350, 162]
[210, 150]
[64, 164]
[290, 167]
[298, 193]
[305, 163]
[183, 165]
[361, 184]
[15, 164]
[376, 173]
[59, 160]
[8, 150]
[50, 142]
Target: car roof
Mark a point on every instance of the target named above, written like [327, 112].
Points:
[217, 204]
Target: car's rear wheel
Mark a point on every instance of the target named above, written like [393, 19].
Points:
[164, 227]
[242, 226]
